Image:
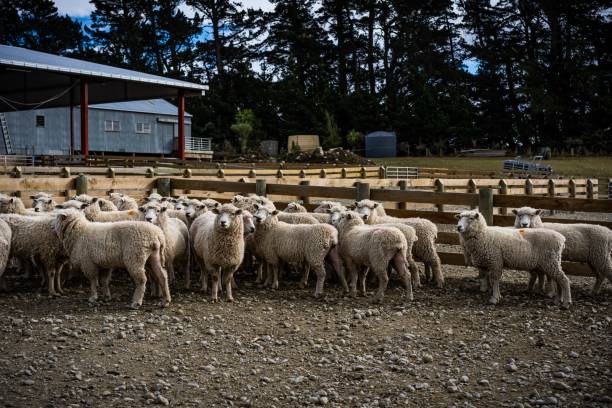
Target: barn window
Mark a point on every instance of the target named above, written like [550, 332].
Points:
[142, 127]
[112, 126]
[40, 121]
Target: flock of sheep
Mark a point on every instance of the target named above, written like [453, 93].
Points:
[151, 239]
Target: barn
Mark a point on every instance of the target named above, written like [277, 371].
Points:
[55, 105]
[143, 127]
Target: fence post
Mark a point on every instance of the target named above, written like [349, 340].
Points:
[260, 187]
[305, 199]
[150, 172]
[589, 189]
[362, 173]
[403, 185]
[503, 189]
[302, 174]
[65, 172]
[571, 188]
[80, 184]
[252, 173]
[187, 173]
[17, 172]
[528, 187]
[382, 172]
[471, 188]
[164, 186]
[363, 191]
[322, 173]
[439, 188]
[220, 173]
[551, 192]
[485, 204]
[343, 173]
[279, 174]
[110, 172]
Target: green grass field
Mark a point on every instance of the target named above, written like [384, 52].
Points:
[594, 167]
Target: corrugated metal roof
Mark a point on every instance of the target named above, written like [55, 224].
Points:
[24, 58]
[156, 106]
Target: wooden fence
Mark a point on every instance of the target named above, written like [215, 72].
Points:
[484, 199]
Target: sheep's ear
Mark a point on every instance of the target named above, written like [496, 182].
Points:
[163, 209]
[84, 205]
[514, 211]
[349, 216]
[238, 211]
[275, 212]
[256, 206]
[457, 216]
[301, 202]
[376, 205]
[141, 209]
[12, 200]
[58, 207]
[61, 216]
[95, 200]
[538, 212]
[356, 204]
[215, 211]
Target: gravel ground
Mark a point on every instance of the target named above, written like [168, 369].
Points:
[283, 348]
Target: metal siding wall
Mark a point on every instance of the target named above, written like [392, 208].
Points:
[54, 138]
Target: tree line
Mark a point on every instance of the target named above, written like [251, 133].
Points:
[442, 74]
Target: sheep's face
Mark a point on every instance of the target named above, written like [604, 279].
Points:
[525, 217]
[325, 206]
[262, 213]
[150, 213]
[292, 208]
[195, 209]
[349, 218]
[210, 203]
[335, 217]
[468, 221]
[227, 216]
[7, 204]
[43, 204]
[365, 208]
[247, 220]
[181, 205]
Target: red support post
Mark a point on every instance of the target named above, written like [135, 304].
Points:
[181, 124]
[84, 119]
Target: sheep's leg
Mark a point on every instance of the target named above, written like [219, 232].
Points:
[494, 278]
[437, 269]
[383, 281]
[3, 287]
[215, 274]
[304, 279]
[161, 278]
[203, 276]
[58, 279]
[106, 278]
[269, 275]
[319, 270]
[602, 266]
[187, 270]
[363, 275]
[276, 270]
[563, 294]
[353, 277]
[51, 281]
[401, 266]
[91, 272]
[533, 276]
[170, 272]
[139, 277]
[259, 278]
[228, 278]
[484, 280]
[427, 272]
[414, 273]
[334, 257]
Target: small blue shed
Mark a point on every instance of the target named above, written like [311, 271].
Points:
[381, 144]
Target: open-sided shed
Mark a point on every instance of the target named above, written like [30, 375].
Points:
[32, 79]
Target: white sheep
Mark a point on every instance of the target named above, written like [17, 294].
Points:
[218, 244]
[591, 244]
[249, 203]
[129, 245]
[324, 206]
[126, 203]
[491, 249]
[14, 205]
[33, 240]
[279, 242]
[424, 249]
[372, 247]
[93, 212]
[5, 247]
[295, 207]
[70, 204]
[43, 204]
[177, 248]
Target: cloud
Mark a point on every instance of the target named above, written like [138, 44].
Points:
[265, 5]
[74, 8]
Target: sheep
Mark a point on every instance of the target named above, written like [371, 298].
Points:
[373, 247]
[43, 204]
[591, 244]
[194, 210]
[104, 204]
[296, 218]
[153, 197]
[249, 203]
[324, 206]
[74, 204]
[94, 213]
[41, 194]
[84, 198]
[490, 249]
[14, 205]
[127, 244]
[5, 247]
[116, 197]
[33, 240]
[295, 207]
[424, 249]
[177, 239]
[126, 203]
[278, 241]
[218, 243]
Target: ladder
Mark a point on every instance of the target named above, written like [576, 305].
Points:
[5, 135]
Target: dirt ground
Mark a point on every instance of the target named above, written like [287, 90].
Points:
[284, 348]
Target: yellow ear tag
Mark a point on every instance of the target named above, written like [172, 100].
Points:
[521, 232]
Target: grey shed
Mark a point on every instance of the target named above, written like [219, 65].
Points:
[381, 144]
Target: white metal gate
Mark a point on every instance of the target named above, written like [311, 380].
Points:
[401, 172]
